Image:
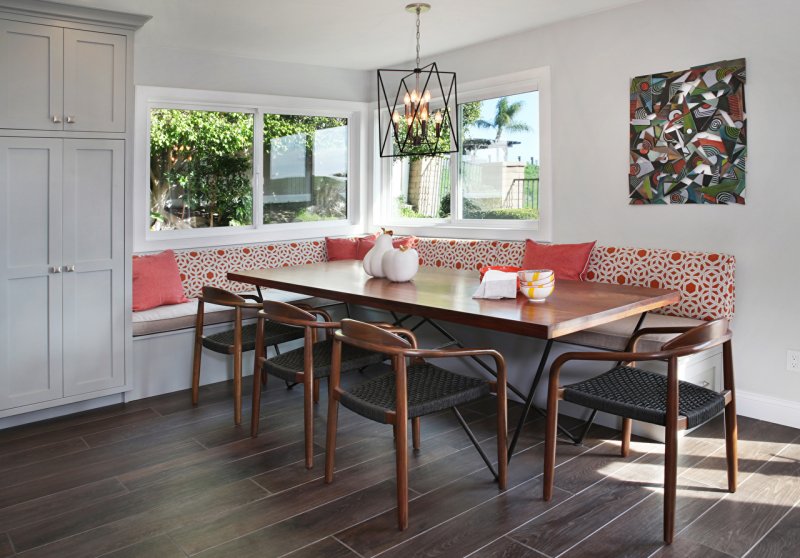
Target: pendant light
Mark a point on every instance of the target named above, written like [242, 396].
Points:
[422, 117]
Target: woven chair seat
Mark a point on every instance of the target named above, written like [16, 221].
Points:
[641, 395]
[430, 389]
[274, 334]
[286, 366]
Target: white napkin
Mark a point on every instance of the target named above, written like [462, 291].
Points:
[497, 284]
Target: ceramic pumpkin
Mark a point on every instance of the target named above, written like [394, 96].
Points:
[373, 260]
[401, 264]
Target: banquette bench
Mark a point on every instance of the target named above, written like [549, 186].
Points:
[163, 336]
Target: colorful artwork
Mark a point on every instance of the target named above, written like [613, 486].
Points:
[688, 136]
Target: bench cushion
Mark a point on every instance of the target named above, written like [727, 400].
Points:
[614, 336]
[182, 316]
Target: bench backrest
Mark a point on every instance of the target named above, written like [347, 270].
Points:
[705, 280]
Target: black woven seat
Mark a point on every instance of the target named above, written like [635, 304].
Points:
[430, 389]
[274, 334]
[641, 395]
[287, 365]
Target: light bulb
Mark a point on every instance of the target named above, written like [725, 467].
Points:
[423, 113]
[395, 116]
[426, 96]
[414, 96]
[437, 117]
[406, 99]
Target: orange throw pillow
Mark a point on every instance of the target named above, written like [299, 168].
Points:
[366, 244]
[156, 281]
[344, 248]
[568, 261]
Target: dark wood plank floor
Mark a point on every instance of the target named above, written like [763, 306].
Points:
[158, 478]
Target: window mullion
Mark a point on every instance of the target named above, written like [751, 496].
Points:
[258, 169]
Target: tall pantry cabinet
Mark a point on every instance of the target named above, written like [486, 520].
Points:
[66, 105]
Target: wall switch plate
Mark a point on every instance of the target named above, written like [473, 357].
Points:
[793, 361]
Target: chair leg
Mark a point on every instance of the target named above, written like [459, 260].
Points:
[255, 413]
[415, 432]
[502, 432]
[316, 390]
[670, 481]
[237, 387]
[627, 424]
[401, 450]
[330, 441]
[308, 418]
[550, 449]
[731, 436]
[198, 353]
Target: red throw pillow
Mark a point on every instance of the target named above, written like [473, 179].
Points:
[345, 248]
[568, 261]
[366, 244]
[156, 281]
[341, 248]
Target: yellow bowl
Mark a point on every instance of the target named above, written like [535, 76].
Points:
[539, 282]
[529, 275]
[538, 294]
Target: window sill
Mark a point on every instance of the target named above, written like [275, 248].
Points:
[488, 231]
[156, 241]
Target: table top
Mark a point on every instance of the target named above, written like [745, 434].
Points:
[447, 295]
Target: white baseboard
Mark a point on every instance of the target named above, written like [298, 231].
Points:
[770, 409]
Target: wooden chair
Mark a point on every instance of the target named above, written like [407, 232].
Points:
[306, 365]
[409, 392]
[637, 394]
[233, 341]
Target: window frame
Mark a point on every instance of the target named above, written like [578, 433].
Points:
[148, 98]
[537, 79]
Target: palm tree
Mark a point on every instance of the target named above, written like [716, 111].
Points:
[504, 118]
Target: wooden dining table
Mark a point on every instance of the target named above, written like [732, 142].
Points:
[445, 294]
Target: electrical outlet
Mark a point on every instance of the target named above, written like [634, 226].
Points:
[793, 361]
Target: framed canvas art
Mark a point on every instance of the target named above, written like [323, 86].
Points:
[688, 136]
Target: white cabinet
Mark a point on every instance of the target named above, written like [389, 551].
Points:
[62, 283]
[61, 79]
[32, 70]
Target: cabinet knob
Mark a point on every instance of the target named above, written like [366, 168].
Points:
[55, 269]
[70, 120]
[56, 119]
[69, 268]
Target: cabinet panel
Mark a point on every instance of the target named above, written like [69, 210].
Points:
[94, 283]
[31, 65]
[94, 81]
[30, 295]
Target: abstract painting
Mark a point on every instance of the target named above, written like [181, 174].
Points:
[688, 136]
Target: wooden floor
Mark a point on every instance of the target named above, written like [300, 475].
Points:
[158, 478]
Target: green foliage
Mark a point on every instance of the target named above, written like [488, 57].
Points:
[524, 213]
[505, 118]
[531, 171]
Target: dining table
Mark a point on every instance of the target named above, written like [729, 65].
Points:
[437, 294]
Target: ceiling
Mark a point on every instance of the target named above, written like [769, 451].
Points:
[355, 34]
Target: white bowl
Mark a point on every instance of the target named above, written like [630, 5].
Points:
[529, 275]
[539, 282]
[538, 294]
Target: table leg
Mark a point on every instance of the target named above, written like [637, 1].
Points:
[529, 398]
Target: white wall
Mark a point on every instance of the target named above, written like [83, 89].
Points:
[592, 60]
[172, 67]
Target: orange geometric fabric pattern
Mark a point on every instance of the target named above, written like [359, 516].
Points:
[706, 281]
[211, 266]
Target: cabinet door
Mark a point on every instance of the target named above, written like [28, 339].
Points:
[94, 282]
[30, 293]
[94, 81]
[32, 67]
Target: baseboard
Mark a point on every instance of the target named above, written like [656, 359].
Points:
[770, 409]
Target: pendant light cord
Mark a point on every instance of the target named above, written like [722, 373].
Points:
[419, 9]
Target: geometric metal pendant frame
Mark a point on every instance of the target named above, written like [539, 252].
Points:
[444, 95]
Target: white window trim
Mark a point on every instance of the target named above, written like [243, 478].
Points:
[145, 240]
[537, 79]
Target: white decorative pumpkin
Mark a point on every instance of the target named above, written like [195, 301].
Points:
[400, 265]
[373, 262]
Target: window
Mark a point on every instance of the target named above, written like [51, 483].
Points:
[305, 168]
[495, 181]
[201, 169]
[215, 168]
